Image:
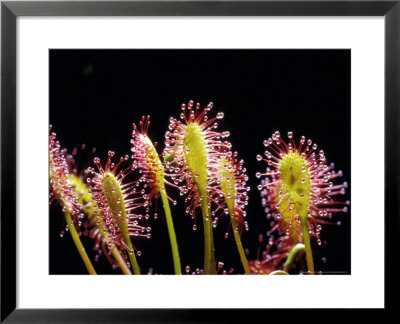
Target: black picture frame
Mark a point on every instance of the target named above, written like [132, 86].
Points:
[10, 10]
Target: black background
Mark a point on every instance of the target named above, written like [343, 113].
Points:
[96, 95]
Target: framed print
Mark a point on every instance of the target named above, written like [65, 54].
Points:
[190, 160]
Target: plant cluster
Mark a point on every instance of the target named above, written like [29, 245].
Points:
[110, 201]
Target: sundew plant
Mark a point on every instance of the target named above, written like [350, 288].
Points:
[110, 203]
[200, 161]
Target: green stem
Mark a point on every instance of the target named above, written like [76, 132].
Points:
[78, 244]
[209, 251]
[239, 245]
[171, 232]
[209, 256]
[132, 258]
[278, 272]
[94, 215]
[292, 255]
[307, 243]
[121, 262]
